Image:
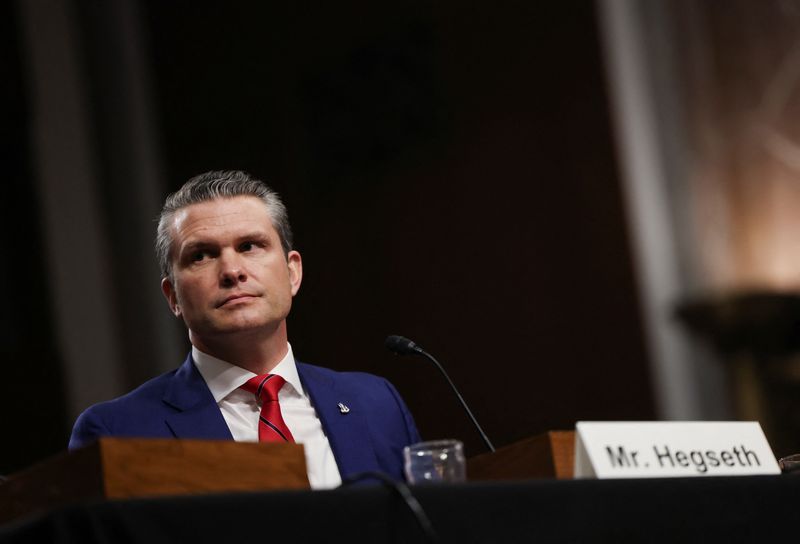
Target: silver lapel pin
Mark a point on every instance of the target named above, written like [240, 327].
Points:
[343, 409]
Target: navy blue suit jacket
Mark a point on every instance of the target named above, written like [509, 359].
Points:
[178, 404]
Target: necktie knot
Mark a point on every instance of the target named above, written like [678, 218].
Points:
[271, 426]
[265, 387]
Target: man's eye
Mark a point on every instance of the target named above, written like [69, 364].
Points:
[247, 246]
[197, 257]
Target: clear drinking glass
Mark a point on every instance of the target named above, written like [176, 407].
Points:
[438, 461]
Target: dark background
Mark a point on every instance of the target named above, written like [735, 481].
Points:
[450, 177]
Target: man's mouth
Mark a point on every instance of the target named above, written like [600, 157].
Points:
[233, 299]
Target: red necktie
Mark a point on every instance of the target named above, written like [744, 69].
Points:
[271, 427]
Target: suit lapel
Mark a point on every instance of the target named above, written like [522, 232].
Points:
[198, 415]
[348, 433]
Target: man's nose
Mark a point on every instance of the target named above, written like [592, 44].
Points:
[231, 269]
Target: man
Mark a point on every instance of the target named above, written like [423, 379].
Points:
[229, 271]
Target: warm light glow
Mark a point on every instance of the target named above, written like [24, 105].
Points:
[749, 238]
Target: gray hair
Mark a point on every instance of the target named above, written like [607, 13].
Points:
[211, 186]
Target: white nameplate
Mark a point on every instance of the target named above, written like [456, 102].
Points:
[671, 449]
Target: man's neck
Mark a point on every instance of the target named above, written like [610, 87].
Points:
[257, 353]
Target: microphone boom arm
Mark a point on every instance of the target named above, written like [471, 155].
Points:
[432, 359]
[403, 346]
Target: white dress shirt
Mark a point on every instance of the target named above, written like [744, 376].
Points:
[241, 409]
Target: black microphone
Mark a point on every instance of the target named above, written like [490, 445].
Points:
[403, 346]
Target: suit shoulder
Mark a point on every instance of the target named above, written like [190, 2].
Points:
[150, 392]
[340, 377]
[105, 418]
[375, 390]
[152, 389]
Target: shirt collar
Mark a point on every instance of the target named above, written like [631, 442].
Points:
[223, 377]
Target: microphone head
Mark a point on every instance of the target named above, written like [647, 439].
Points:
[401, 345]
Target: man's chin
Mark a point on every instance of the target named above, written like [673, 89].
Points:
[239, 327]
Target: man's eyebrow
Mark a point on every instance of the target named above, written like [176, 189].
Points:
[260, 236]
[196, 245]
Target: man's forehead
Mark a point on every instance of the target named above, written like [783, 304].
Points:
[221, 211]
[241, 213]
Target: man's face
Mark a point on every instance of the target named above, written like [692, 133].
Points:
[229, 272]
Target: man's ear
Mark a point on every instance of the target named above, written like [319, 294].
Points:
[295, 263]
[172, 299]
